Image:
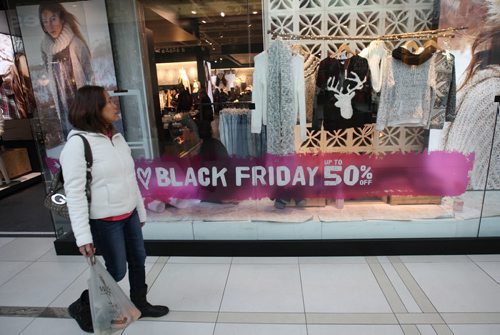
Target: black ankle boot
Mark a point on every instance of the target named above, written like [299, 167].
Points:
[147, 310]
[80, 311]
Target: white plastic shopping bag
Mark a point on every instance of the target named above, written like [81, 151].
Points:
[111, 309]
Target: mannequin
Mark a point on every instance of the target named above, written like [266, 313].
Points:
[3, 169]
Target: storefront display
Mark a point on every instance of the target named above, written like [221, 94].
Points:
[19, 161]
[300, 120]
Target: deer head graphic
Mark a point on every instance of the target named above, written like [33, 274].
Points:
[344, 99]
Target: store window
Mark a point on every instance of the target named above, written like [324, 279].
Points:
[20, 165]
[292, 120]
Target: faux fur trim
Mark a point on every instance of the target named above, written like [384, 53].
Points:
[52, 47]
[494, 11]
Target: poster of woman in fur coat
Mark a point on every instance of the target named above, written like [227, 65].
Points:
[67, 46]
[66, 57]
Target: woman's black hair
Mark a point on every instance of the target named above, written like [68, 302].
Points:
[86, 111]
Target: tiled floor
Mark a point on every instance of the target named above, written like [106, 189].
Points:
[426, 295]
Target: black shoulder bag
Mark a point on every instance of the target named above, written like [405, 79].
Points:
[55, 200]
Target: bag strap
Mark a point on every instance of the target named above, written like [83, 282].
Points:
[90, 160]
[88, 152]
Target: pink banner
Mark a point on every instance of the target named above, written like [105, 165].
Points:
[345, 176]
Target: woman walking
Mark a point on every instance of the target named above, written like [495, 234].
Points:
[113, 223]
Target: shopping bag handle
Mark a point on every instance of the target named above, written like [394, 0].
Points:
[92, 260]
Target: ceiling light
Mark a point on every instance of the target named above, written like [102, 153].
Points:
[222, 14]
[255, 12]
[203, 21]
[193, 12]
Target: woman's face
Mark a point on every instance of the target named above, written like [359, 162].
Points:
[52, 23]
[109, 112]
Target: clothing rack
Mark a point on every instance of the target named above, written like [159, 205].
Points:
[425, 34]
[240, 104]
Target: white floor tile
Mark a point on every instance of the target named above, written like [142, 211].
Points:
[5, 240]
[73, 291]
[152, 259]
[268, 284]
[436, 259]
[485, 258]
[13, 325]
[354, 330]
[492, 269]
[51, 256]
[174, 328]
[53, 327]
[457, 287]
[263, 288]
[475, 329]
[26, 249]
[190, 287]
[265, 260]
[259, 329]
[39, 284]
[383, 259]
[332, 260]
[403, 292]
[426, 330]
[262, 318]
[342, 288]
[10, 269]
[202, 260]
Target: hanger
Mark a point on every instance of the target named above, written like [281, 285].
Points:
[411, 45]
[343, 48]
[296, 49]
[432, 43]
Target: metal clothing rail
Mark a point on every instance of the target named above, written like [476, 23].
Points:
[231, 104]
[446, 32]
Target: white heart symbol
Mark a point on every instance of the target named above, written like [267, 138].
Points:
[144, 176]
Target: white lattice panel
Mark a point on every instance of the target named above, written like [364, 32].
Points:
[341, 18]
[365, 140]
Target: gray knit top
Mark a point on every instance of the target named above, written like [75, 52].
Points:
[407, 94]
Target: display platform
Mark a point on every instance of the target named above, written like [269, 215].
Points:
[256, 220]
[253, 228]
[20, 183]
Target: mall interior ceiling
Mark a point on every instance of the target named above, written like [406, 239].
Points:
[229, 31]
